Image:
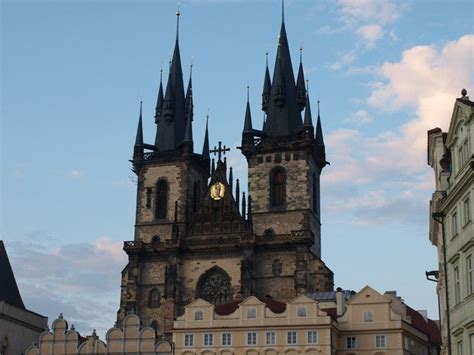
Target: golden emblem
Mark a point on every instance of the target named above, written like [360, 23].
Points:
[217, 191]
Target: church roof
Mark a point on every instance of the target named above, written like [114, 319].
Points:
[9, 290]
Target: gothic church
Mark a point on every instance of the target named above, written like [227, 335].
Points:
[196, 235]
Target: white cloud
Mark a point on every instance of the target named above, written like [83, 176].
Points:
[371, 34]
[360, 117]
[75, 174]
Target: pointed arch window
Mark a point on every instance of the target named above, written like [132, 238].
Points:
[315, 193]
[154, 298]
[161, 199]
[278, 187]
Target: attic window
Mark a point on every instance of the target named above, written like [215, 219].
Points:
[368, 316]
[198, 315]
[251, 313]
[301, 312]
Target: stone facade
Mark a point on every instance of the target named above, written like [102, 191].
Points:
[451, 155]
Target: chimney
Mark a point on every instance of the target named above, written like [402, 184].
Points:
[340, 302]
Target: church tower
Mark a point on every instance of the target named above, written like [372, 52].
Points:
[196, 234]
[285, 160]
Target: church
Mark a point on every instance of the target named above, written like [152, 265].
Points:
[197, 235]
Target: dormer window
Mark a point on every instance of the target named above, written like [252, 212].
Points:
[251, 313]
[301, 311]
[198, 315]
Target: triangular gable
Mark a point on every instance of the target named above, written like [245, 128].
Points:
[458, 115]
[367, 295]
[199, 302]
[218, 216]
[302, 299]
[251, 300]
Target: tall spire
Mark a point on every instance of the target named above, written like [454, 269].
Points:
[319, 130]
[139, 137]
[159, 100]
[284, 115]
[205, 146]
[171, 129]
[308, 120]
[300, 85]
[267, 86]
[248, 116]
[189, 110]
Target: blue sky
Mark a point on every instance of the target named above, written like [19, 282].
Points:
[73, 73]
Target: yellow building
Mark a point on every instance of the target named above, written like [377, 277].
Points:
[451, 155]
[367, 323]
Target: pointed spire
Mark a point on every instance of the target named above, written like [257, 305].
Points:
[243, 205]
[139, 137]
[159, 100]
[249, 209]
[237, 192]
[248, 116]
[319, 130]
[308, 120]
[189, 111]
[282, 11]
[267, 87]
[231, 179]
[205, 146]
[300, 85]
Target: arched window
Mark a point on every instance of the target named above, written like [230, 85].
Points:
[154, 325]
[315, 193]
[161, 199]
[278, 187]
[198, 315]
[215, 287]
[154, 298]
[276, 268]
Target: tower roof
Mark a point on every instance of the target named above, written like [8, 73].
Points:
[139, 137]
[248, 116]
[9, 290]
[205, 146]
[319, 130]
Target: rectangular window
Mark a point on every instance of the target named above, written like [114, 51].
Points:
[467, 210]
[470, 275]
[457, 285]
[208, 339]
[251, 338]
[226, 339]
[472, 344]
[251, 313]
[312, 337]
[270, 338]
[368, 316]
[380, 341]
[291, 338]
[188, 340]
[460, 348]
[454, 224]
[351, 343]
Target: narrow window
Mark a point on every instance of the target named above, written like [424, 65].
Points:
[148, 197]
[380, 341]
[278, 187]
[351, 343]
[188, 340]
[226, 339]
[154, 298]
[470, 276]
[198, 315]
[460, 348]
[315, 193]
[291, 338]
[154, 325]
[312, 337]
[270, 338]
[251, 313]
[457, 285]
[161, 199]
[301, 312]
[467, 210]
[276, 268]
[251, 338]
[454, 224]
[208, 339]
[368, 316]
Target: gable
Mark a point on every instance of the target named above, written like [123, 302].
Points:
[461, 114]
[367, 295]
[301, 299]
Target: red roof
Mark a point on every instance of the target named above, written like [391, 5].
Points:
[332, 312]
[428, 327]
[229, 308]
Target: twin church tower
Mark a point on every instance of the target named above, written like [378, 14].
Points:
[196, 235]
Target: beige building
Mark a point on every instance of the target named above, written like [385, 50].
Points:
[451, 155]
[19, 327]
[130, 339]
[367, 323]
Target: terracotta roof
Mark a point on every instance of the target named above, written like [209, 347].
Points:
[229, 308]
[9, 290]
[332, 312]
[428, 327]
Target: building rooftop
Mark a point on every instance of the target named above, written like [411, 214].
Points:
[9, 291]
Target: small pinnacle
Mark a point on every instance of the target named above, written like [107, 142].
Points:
[301, 54]
[248, 91]
[464, 92]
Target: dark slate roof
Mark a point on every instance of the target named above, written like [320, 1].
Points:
[428, 326]
[328, 295]
[9, 290]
